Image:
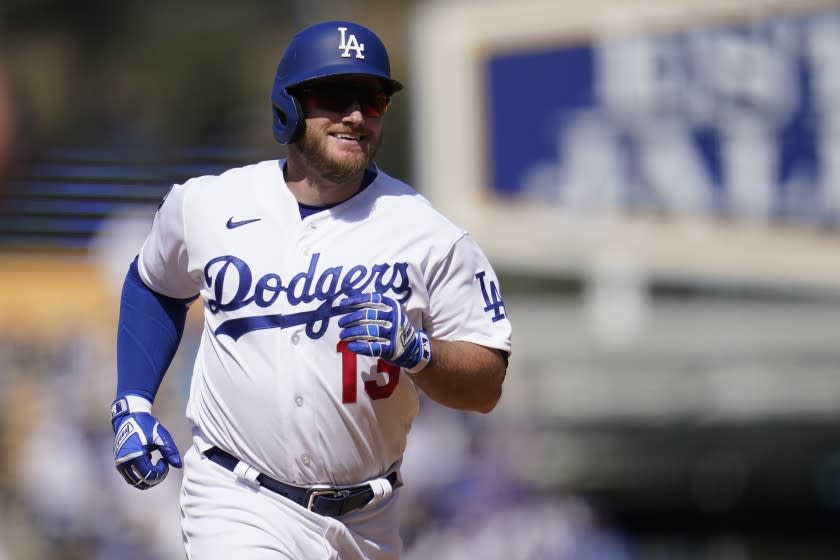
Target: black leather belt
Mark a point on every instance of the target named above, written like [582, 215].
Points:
[329, 502]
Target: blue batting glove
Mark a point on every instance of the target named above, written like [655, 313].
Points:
[136, 435]
[378, 326]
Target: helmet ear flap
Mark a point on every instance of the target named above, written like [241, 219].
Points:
[287, 117]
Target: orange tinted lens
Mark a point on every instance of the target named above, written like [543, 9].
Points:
[373, 105]
[338, 99]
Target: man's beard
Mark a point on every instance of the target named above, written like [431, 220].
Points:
[312, 148]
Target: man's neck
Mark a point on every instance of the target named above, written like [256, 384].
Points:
[312, 189]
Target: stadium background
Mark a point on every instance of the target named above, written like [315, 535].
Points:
[656, 408]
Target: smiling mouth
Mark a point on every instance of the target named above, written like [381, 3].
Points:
[347, 137]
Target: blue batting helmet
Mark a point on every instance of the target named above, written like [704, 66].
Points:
[330, 48]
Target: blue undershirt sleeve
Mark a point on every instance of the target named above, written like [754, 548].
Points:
[148, 334]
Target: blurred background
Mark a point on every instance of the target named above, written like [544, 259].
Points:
[657, 184]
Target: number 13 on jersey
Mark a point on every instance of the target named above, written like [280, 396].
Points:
[350, 376]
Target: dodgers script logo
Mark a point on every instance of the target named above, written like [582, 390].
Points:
[234, 287]
[351, 44]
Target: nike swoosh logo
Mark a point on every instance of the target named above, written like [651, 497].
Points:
[232, 224]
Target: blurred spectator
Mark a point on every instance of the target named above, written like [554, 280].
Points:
[14, 137]
[6, 128]
[64, 501]
[530, 530]
[470, 495]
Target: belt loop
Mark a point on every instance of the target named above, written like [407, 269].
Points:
[381, 488]
[247, 473]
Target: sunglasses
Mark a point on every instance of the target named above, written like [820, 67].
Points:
[338, 98]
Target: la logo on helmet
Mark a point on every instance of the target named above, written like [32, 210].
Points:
[351, 44]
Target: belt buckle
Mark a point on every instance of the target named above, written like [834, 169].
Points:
[313, 493]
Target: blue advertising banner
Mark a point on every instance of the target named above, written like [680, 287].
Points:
[736, 121]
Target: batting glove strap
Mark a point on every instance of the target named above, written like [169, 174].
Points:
[126, 405]
[421, 353]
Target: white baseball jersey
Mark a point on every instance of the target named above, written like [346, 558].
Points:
[272, 384]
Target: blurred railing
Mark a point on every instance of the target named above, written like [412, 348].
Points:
[59, 201]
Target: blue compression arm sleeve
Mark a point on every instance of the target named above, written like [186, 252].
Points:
[149, 332]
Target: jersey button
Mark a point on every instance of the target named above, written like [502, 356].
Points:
[306, 460]
[299, 400]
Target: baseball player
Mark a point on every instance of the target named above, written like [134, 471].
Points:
[333, 296]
